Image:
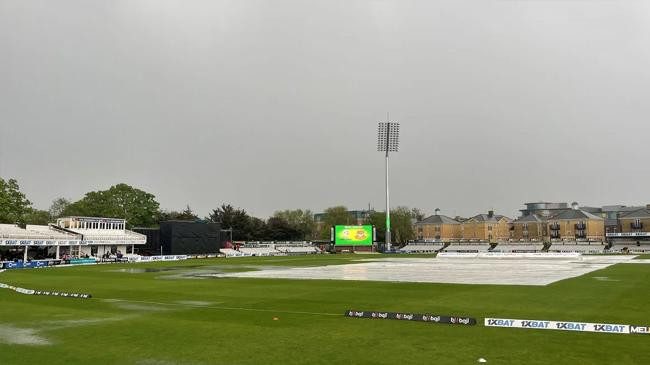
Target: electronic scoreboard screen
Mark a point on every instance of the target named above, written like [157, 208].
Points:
[353, 235]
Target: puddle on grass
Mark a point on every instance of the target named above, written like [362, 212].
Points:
[215, 272]
[141, 270]
[604, 278]
[199, 271]
[12, 335]
[155, 362]
[194, 303]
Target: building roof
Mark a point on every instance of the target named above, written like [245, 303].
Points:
[488, 218]
[529, 218]
[621, 208]
[639, 213]
[438, 219]
[575, 214]
[592, 210]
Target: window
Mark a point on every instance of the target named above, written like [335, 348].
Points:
[489, 228]
[437, 228]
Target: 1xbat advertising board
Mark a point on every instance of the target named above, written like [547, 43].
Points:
[555, 325]
[353, 235]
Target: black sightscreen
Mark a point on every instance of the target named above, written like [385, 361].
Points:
[180, 238]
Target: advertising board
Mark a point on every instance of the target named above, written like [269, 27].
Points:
[415, 317]
[555, 325]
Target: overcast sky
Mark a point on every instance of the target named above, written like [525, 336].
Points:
[272, 105]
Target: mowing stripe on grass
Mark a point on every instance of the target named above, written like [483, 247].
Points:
[222, 307]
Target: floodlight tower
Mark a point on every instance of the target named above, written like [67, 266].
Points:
[387, 141]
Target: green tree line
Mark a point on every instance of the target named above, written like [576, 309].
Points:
[141, 209]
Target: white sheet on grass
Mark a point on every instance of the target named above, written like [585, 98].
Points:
[511, 271]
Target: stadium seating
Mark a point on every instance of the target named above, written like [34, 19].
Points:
[422, 247]
[270, 249]
[229, 252]
[629, 247]
[259, 251]
[467, 247]
[518, 247]
[584, 248]
[298, 249]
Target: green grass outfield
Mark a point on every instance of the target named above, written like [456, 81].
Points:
[230, 321]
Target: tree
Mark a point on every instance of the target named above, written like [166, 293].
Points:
[186, 215]
[139, 208]
[417, 214]
[401, 224]
[333, 216]
[302, 221]
[257, 229]
[13, 203]
[278, 229]
[36, 216]
[58, 207]
[233, 218]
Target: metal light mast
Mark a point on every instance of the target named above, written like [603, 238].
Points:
[387, 141]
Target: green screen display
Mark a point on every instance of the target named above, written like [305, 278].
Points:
[353, 235]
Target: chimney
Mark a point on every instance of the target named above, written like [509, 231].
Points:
[575, 206]
[490, 213]
[437, 211]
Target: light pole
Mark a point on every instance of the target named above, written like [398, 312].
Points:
[387, 141]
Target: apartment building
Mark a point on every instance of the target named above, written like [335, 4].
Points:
[488, 227]
[438, 227]
[576, 225]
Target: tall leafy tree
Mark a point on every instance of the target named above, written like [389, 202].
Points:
[233, 218]
[186, 215]
[36, 216]
[401, 224]
[13, 203]
[279, 229]
[417, 214]
[333, 216]
[139, 208]
[58, 207]
[257, 229]
[301, 221]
